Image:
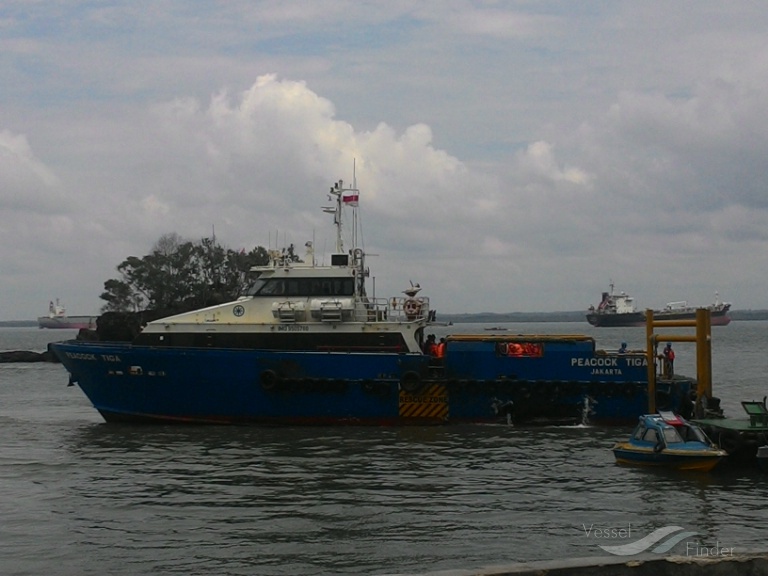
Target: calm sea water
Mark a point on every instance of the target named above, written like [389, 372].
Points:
[81, 497]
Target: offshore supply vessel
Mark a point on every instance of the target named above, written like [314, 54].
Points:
[307, 344]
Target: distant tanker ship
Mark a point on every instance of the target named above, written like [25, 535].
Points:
[57, 318]
[618, 310]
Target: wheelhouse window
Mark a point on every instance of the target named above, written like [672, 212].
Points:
[307, 287]
[255, 286]
[274, 288]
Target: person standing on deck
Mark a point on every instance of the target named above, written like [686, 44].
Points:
[430, 348]
[669, 361]
[440, 349]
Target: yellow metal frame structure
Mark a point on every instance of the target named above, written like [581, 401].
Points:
[703, 340]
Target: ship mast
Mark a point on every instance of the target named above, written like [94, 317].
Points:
[343, 197]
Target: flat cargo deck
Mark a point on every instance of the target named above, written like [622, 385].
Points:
[737, 424]
[757, 421]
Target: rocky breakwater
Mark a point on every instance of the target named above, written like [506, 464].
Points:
[9, 356]
[110, 327]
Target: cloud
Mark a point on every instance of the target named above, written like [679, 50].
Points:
[538, 161]
[26, 183]
[279, 130]
[510, 157]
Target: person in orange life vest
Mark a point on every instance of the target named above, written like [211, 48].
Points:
[669, 360]
[440, 348]
[430, 347]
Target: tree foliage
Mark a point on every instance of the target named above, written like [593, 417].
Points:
[180, 275]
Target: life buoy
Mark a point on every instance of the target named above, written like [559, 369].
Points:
[269, 380]
[410, 381]
[412, 307]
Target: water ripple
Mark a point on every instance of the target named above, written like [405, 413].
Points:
[81, 497]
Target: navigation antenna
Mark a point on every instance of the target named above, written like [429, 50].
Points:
[343, 197]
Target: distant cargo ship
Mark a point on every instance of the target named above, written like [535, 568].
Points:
[618, 310]
[57, 318]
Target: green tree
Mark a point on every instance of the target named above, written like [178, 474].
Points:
[180, 275]
[120, 297]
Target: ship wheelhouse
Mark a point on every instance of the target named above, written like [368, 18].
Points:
[294, 305]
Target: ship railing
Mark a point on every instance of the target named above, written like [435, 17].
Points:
[397, 309]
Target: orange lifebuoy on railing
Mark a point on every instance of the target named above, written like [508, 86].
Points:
[412, 307]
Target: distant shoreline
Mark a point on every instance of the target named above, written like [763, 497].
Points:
[487, 318]
[578, 316]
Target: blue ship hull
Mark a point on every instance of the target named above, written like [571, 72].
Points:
[479, 380]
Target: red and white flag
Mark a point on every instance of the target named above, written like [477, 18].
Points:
[351, 199]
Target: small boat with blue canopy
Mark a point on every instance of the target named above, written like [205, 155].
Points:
[667, 440]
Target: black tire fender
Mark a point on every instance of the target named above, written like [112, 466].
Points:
[269, 380]
[410, 381]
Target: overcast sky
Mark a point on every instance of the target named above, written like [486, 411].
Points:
[511, 155]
